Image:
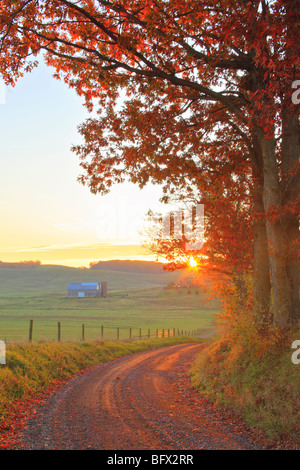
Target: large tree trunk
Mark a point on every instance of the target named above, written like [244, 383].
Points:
[280, 186]
[290, 191]
[262, 283]
[276, 232]
[290, 159]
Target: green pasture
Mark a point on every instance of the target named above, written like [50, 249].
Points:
[136, 301]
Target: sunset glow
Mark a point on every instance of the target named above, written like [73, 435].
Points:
[192, 262]
[46, 214]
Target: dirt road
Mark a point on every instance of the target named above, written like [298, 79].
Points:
[136, 402]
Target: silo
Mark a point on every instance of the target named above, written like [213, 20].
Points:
[103, 289]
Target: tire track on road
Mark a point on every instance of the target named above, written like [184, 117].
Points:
[132, 403]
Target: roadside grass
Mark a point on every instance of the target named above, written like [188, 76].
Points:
[263, 388]
[30, 368]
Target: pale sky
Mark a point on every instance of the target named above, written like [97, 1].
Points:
[45, 213]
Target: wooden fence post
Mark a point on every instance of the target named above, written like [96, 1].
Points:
[140, 333]
[102, 332]
[30, 330]
[148, 333]
[118, 333]
[130, 333]
[58, 331]
[82, 331]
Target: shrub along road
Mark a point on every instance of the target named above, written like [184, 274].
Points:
[136, 402]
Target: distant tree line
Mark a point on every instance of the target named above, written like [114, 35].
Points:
[20, 264]
[149, 267]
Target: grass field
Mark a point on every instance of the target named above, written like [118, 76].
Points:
[136, 300]
[55, 279]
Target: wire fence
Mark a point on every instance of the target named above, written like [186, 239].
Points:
[60, 331]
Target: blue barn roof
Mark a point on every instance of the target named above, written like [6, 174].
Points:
[83, 285]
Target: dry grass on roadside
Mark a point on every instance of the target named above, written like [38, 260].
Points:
[264, 389]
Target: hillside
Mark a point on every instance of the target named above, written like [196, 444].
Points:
[119, 275]
[145, 267]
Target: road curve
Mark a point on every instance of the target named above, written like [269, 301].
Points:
[132, 403]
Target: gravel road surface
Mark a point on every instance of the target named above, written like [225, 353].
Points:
[132, 403]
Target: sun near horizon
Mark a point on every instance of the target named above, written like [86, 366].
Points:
[77, 256]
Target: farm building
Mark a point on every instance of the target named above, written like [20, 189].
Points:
[87, 289]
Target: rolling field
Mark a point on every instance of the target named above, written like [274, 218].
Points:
[136, 300]
[55, 279]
